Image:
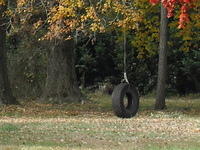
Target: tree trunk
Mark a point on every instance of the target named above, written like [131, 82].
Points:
[162, 64]
[195, 75]
[61, 83]
[6, 96]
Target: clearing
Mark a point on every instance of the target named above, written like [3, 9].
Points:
[34, 126]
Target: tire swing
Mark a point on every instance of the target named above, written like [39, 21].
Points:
[125, 97]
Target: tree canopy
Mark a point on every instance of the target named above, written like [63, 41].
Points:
[98, 29]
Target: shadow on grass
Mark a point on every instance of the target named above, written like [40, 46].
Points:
[98, 103]
[187, 105]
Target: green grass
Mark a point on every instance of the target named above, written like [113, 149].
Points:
[8, 127]
[34, 126]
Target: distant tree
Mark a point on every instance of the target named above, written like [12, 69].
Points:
[162, 64]
[167, 10]
[6, 96]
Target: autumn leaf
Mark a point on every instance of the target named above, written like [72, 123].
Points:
[154, 2]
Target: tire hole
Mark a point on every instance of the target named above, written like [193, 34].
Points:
[127, 101]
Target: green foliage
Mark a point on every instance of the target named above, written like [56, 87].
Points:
[99, 56]
[96, 59]
[27, 65]
[145, 38]
[185, 69]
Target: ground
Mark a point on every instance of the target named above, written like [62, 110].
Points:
[35, 126]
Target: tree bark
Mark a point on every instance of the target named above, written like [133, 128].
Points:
[61, 82]
[6, 96]
[162, 64]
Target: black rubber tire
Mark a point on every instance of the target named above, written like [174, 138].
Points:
[121, 91]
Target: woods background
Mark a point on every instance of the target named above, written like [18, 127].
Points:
[55, 47]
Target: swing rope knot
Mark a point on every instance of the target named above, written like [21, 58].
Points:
[126, 78]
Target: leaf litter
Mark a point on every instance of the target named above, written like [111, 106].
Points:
[44, 124]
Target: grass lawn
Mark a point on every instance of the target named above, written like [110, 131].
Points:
[35, 126]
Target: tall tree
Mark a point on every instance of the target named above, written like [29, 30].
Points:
[61, 85]
[162, 64]
[6, 96]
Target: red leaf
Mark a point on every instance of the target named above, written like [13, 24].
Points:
[170, 6]
[184, 9]
[153, 2]
[183, 19]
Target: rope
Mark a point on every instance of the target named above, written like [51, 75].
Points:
[125, 56]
